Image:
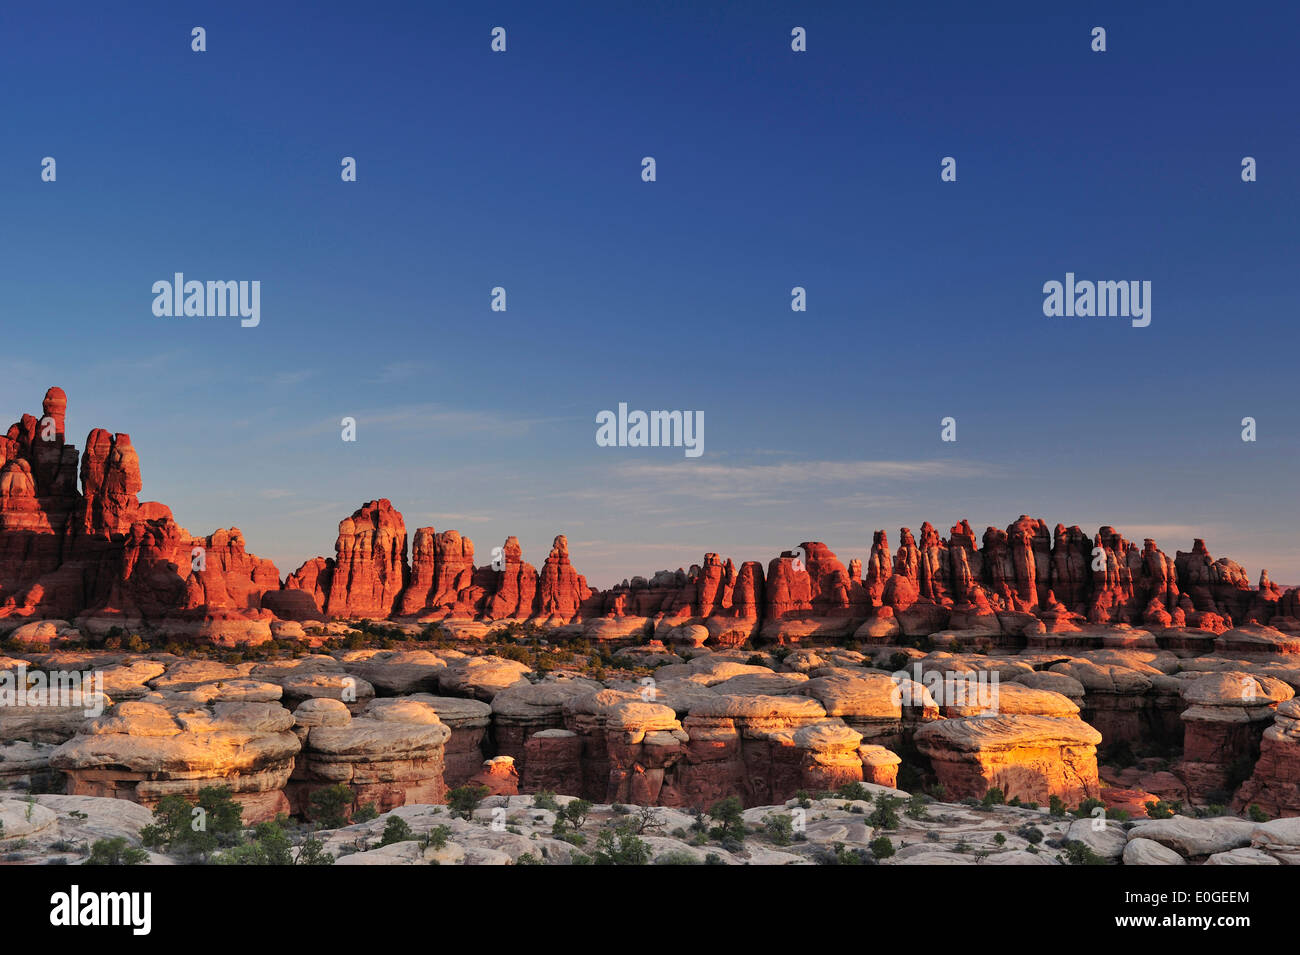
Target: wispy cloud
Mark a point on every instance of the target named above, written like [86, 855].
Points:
[396, 371]
[291, 378]
[431, 420]
[462, 517]
[645, 485]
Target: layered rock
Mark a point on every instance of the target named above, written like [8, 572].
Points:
[731, 750]
[829, 756]
[100, 558]
[1274, 784]
[498, 776]
[553, 762]
[389, 756]
[1128, 701]
[370, 564]
[1030, 757]
[1226, 719]
[469, 722]
[143, 751]
[514, 588]
[643, 741]
[884, 710]
[560, 589]
[524, 709]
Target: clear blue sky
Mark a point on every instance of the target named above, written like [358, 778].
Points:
[775, 169]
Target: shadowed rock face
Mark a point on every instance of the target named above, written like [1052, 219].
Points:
[390, 755]
[1274, 785]
[100, 558]
[1226, 719]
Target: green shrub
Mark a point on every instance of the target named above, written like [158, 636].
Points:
[855, 791]
[396, 830]
[115, 851]
[727, 813]
[780, 828]
[1163, 810]
[885, 815]
[1031, 834]
[195, 830]
[330, 806]
[994, 797]
[620, 846]
[435, 838]
[1080, 853]
[1087, 806]
[312, 852]
[270, 845]
[881, 847]
[916, 806]
[463, 800]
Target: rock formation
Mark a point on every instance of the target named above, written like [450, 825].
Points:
[99, 558]
[143, 751]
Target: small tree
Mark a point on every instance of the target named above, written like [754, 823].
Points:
[916, 806]
[779, 828]
[270, 845]
[330, 806]
[646, 819]
[885, 815]
[881, 847]
[312, 852]
[435, 838]
[728, 814]
[854, 791]
[620, 846]
[575, 812]
[463, 800]
[1087, 806]
[1162, 810]
[396, 830]
[1080, 853]
[115, 851]
[195, 830]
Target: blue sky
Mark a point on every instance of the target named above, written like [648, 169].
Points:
[775, 169]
